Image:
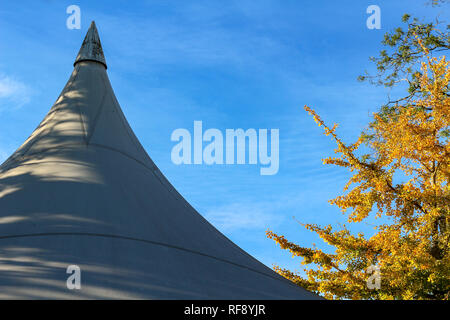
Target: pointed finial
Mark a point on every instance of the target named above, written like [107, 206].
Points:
[91, 49]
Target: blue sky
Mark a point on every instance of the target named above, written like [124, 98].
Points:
[231, 64]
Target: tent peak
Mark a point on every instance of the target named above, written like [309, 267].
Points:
[91, 49]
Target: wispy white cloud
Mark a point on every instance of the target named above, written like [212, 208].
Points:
[13, 92]
[242, 216]
[201, 36]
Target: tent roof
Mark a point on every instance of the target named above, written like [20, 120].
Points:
[82, 191]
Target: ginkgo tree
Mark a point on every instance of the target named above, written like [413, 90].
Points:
[400, 172]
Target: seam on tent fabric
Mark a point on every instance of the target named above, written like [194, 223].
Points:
[97, 115]
[152, 170]
[144, 241]
[68, 146]
[83, 129]
[57, 109]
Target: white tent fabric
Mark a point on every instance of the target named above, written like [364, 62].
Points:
[82, 191]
